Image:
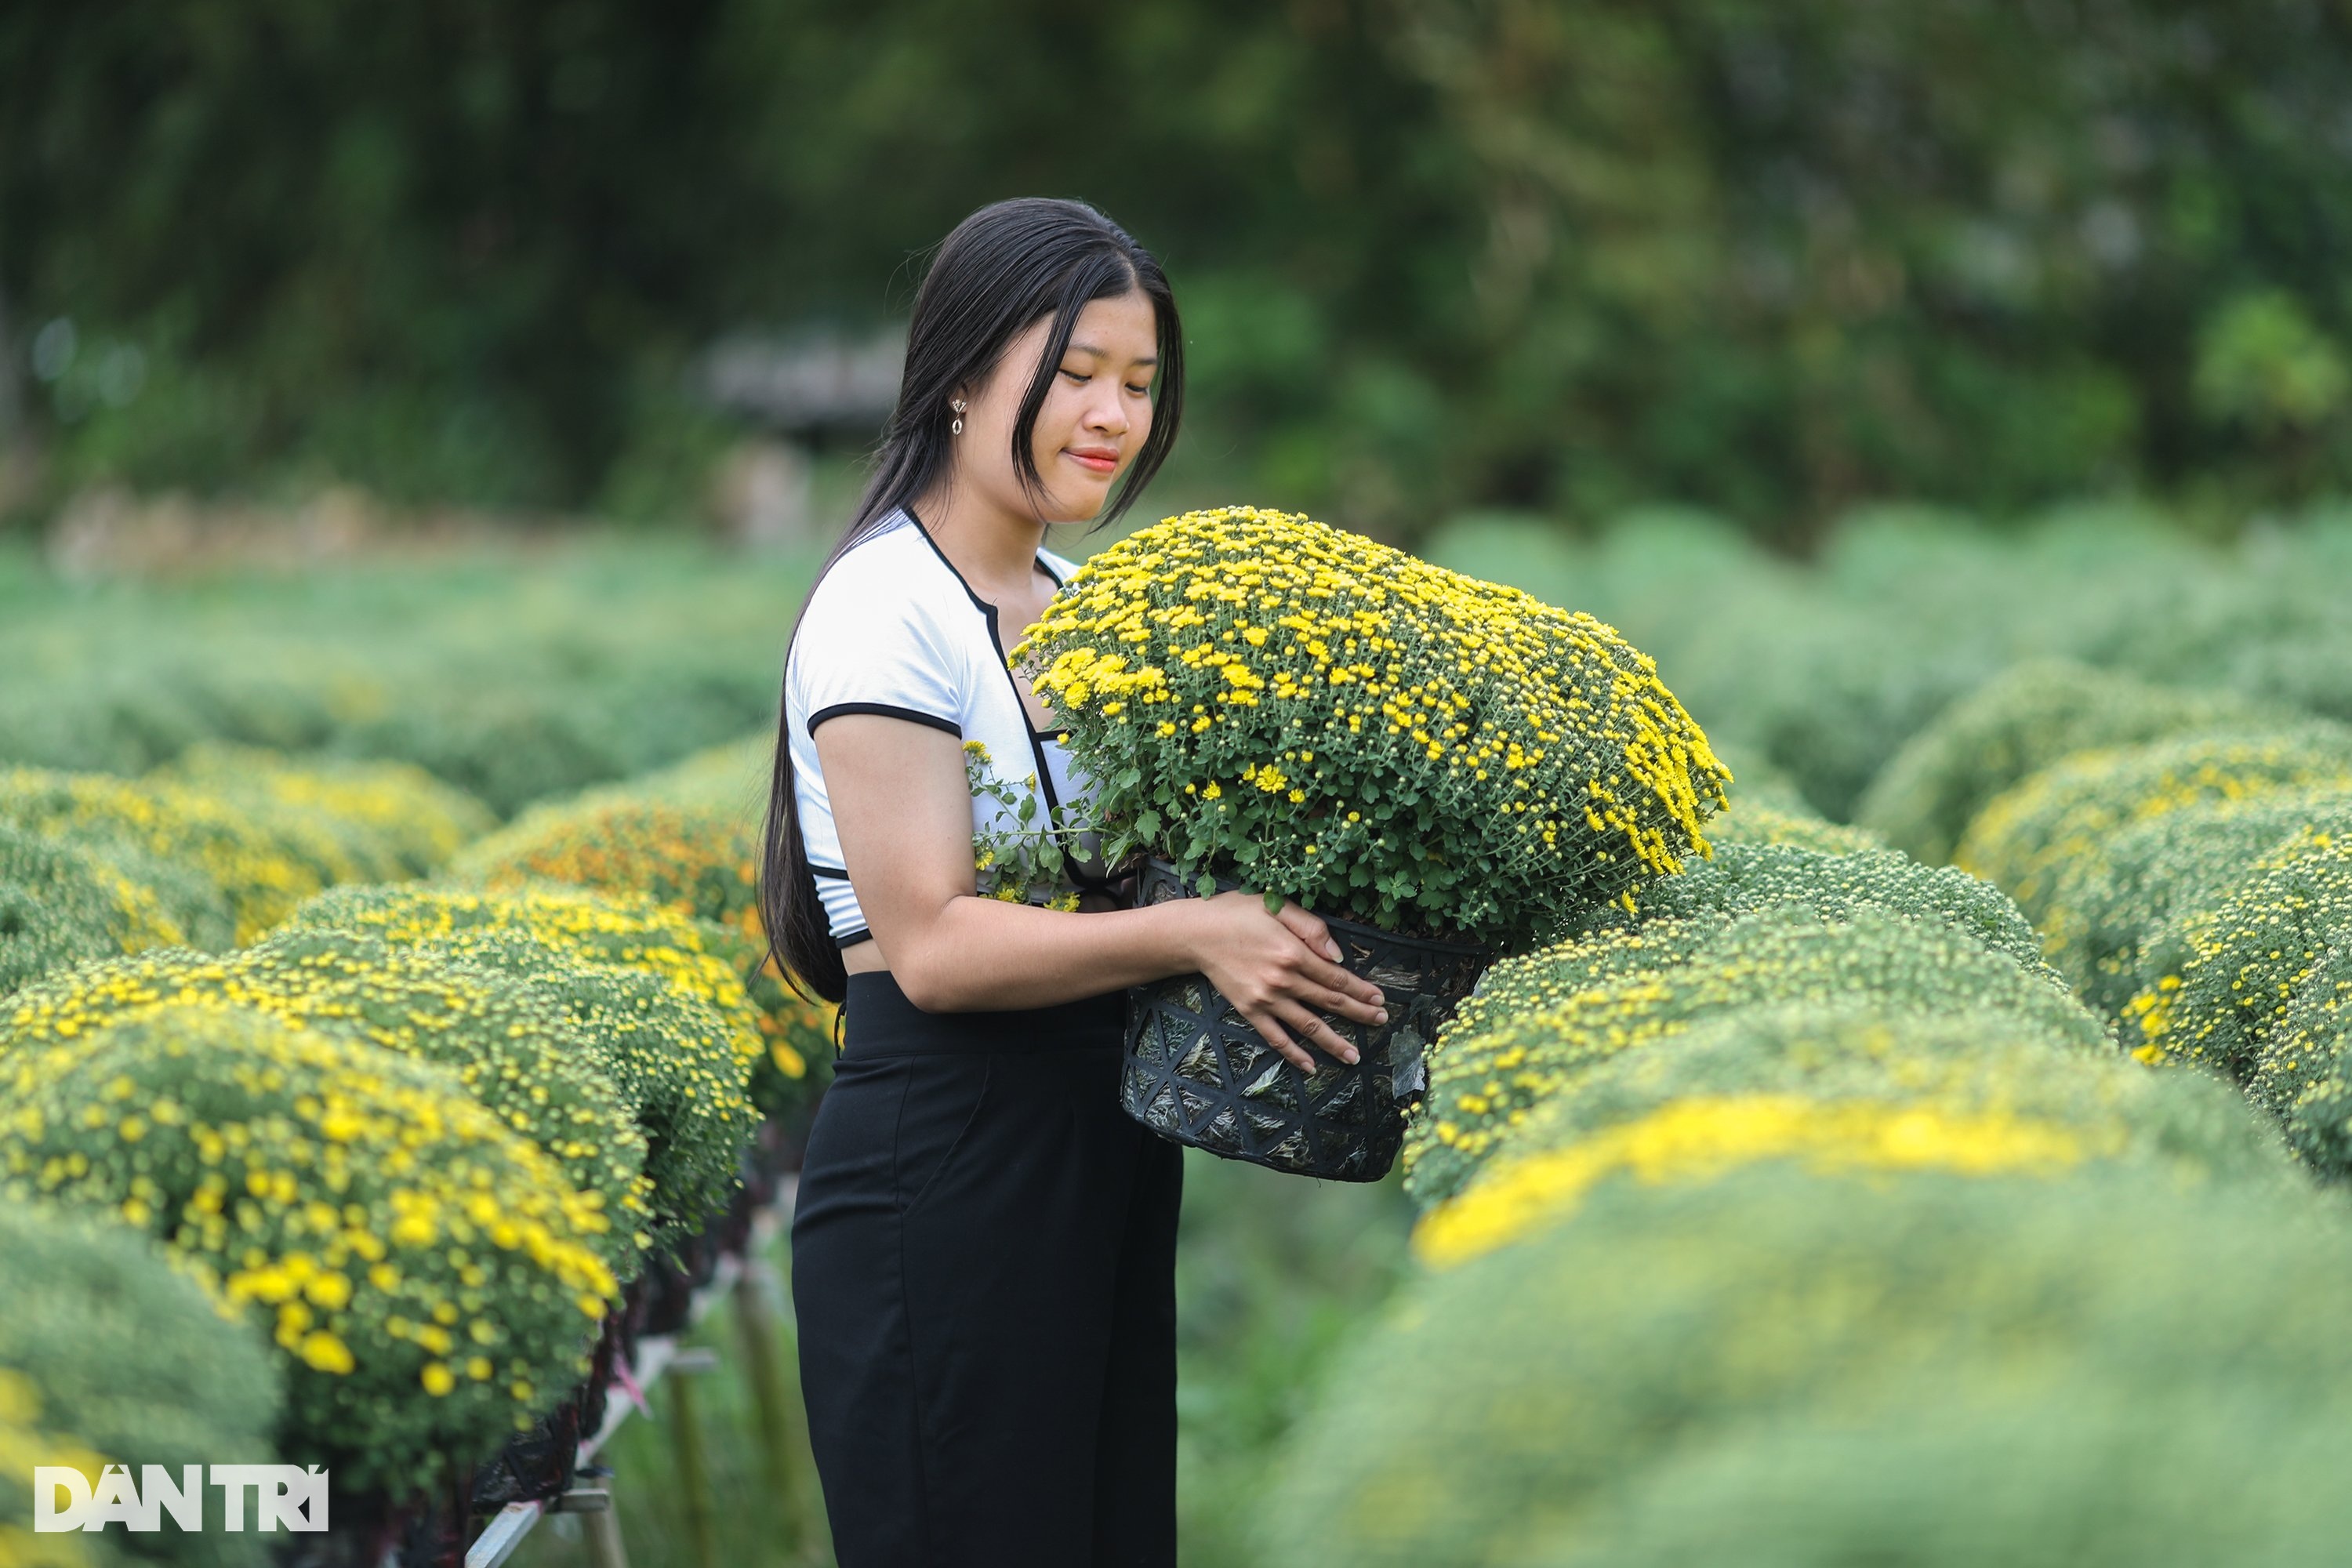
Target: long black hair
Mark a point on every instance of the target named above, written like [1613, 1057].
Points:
[1002, 270]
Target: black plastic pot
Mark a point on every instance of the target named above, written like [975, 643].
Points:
[1197, 1074]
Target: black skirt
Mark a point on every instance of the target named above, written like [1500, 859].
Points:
[984, 1269]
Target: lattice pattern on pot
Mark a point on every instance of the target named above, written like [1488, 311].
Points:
[1197, 1073]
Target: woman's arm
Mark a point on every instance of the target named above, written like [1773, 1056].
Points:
[903, 809]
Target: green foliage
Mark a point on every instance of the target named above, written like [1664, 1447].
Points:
[2125, 921]
[386, 820]
[2264, 362]
[1821, 676]
[1539, 1023]
[2244, 963]
[1972, 1061]
[664, 1020]
[1754, 781]
[430, 1278]
[799, 1028]
[732, 775]
[1743, 879]
[2019, 724]
[25, 1443]
[1744, 822]
[1507, 1408]
[1312, 714]
[112, 1350]
[2067, 1456]
[1534, 254]
[261, 871]
[509, 1044]
[1274, 1278]
[684, 840]
[2041, 838]
[697, 860]
[2310, 1052]
[507, 675]
[62, 904]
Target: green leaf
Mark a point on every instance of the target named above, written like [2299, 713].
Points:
[1207, 886]
[1273, 903]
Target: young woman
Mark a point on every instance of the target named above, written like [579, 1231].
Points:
[983, 1244]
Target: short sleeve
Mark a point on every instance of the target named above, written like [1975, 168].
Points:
[871, 646]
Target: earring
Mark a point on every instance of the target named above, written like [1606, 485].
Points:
[956, 429]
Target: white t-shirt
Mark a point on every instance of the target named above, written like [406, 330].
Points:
[894, 629]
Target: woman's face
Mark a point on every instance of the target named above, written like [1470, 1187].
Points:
[1097, 412]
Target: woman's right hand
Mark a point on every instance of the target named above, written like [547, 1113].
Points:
[1280, 971]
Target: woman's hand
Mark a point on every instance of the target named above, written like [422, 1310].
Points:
[1280, 971]
[903, 808]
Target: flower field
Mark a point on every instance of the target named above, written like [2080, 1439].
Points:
[389, 1045]
[1842, 1205]
[384, 1036]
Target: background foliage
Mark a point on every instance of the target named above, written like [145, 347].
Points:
[1432, 253]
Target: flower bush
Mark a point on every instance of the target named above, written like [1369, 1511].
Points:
[2025, 720]
[701, 861]
[597, 662]
[1742, 879]
[1538, 1026]
[2111, 920]
[1860, 1086]
[431, 1279]
[798, 1028]
[1501, 1409]
[2066, 1454]
[1312, 714]
[2244, 963]
[260, 875]
[2041, 837]
[29, 1440]
[664, 1018]
[695, 858]
[1702, 1137]
[99, 1334]
[730, 777]
[387, 821]
[2310, 1052]
[510, 1045]
[1746, 821]
[1680, 917]
[61, 905]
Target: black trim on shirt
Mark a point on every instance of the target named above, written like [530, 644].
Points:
[887, 710]
[977, 602]
[1003, 661]
[1037, 738]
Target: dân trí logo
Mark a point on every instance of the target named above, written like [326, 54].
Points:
[285, 1496]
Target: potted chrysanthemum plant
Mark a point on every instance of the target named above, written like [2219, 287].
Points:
[1440, 767]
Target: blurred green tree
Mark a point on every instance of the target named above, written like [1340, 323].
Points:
[1557, 253]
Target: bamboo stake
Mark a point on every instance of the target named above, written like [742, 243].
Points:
[693, 1469]
[774, 1399]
